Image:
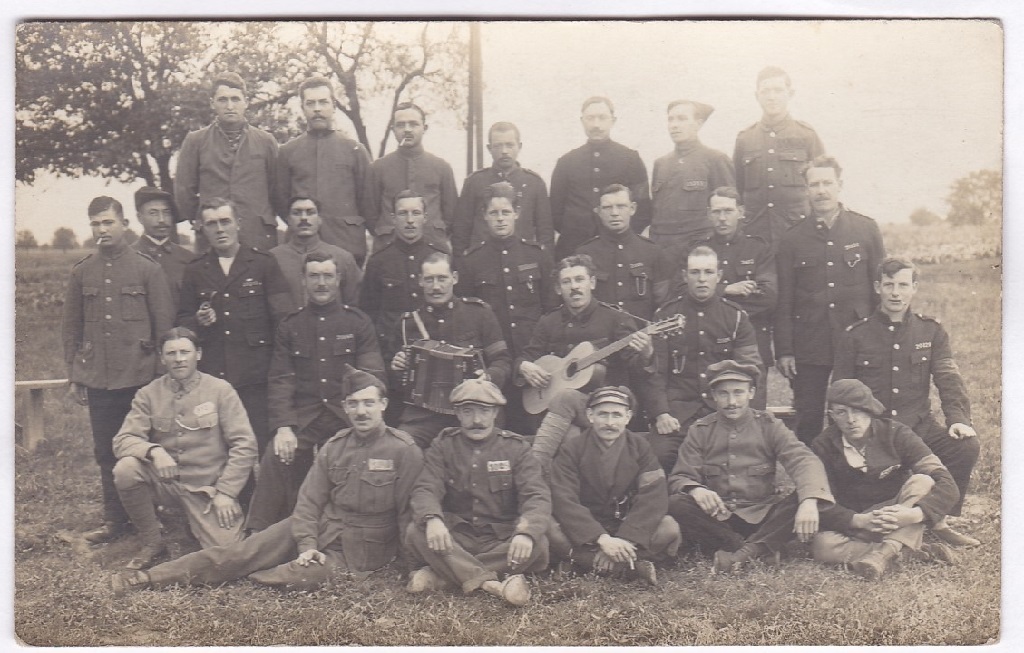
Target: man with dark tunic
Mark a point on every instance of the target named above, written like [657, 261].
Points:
[156, 213]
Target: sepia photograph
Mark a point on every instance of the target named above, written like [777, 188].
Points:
[433, 332]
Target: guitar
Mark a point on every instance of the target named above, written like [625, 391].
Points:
[575, 370]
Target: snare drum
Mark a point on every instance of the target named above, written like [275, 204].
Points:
[434, 369]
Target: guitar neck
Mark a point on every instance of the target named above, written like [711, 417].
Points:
[605, 352]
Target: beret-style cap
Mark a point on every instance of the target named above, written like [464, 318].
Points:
[853, 393]
[730, 370]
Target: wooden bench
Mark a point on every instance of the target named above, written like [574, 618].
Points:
[33, 431]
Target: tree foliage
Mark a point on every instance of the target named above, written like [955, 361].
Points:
[976, 198]
[922, 217]
[25, 239]
[64, 239]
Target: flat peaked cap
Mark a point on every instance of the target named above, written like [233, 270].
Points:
[150, 193]
[730, 370]
[701, 111]
[612, 394]
[353, 380]
[853, 393]
[477, 391]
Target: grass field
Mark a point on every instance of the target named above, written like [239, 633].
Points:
[62, 592]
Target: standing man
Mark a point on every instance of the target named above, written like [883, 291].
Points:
[233, 297]
[633, 273]
[826, 267]
[325, 166]
[609, 493]
[898, 354]
[747, 264]
[313, 349]
[305, 225]
[580, 175]
[531, 194]
[715, 329]
[722, 489]
[155, 211]
[231, 159]
[449, 320]
[118, 302]
[187, 441]
[684, 178]
[770, 156]
[410, 167]
[481, 506]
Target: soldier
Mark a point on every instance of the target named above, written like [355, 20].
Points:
[391, 283]
[305, 225]
[187, 442]
[480, 507]
[580, 175]
[313, 349]
[531, 194]
[609, 494]
[747, 264]
[826, 269]
[722, 489]
[684, 178]
[769, 158]
[898, 354]
[155, 211]
[231, 159]
[888, 486]
[324, 165]
[118, 302]
[233, 297]
[457, 321]
[351, 511]
[410, 167]
[633, 273]
[716, 329]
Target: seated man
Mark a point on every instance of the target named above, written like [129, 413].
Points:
[187, 440]
[481, 506]
[887, 482]
[348, 517]
[722, 488]
[609, 494]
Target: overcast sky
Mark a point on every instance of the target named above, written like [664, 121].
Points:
[906, 106]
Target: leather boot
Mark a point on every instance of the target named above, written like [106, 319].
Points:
[876, 562]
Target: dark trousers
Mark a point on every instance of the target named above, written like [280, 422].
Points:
[107, 410]
[959, 456]
[711, 535]
[254, 399]
[809, 387]
[763, 332]
[666, 447]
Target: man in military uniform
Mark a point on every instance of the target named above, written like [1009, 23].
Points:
[826, 267]
[531, 195]
[155, 210]
[609, 494]
[391, 285]
[118, 302]
[580, 175]
[769, 158]
[633, 273]
[313, 349]
[233, 296]
[722, 489]
[715, 329]
[410, 167]
[305, 225]
[481, 507]
[747, 264]
[327, 167]
[684, 178]
[231, 159]
[351, 511]
[449, 320]
[898, 354]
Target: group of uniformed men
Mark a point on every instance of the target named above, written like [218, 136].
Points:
[268, 357]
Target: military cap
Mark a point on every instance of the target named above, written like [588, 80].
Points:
[477, 391]
[150, 193]
[701, 111]
[612, 394]
[730, 370]
[853, 393]
[353, 380]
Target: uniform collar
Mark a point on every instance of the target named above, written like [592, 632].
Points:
[688, 147]
[502, 243]
[411, 152]
[779, 124]
[834, 216]
[372, 436]
[312, 247]
[442, 309]
[746, 418]
[599, 145]
[506, 175]
[718, 240]
[320, 133]
[186, 386]
[618, 238]
[406, 246]
[152, 244]
[324, 309]
[583, 315]
[111, 253]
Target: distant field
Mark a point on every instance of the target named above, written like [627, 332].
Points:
[62, 594]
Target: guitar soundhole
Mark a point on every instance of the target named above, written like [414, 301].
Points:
[571, 369]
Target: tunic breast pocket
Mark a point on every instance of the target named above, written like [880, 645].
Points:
[253, 301]
[641, 280]
[503, 485]
[791, 166]
[761, 480]
[377, 491]
[807, 271]
[922, 364]
[855, 267]
[133, 303]
[342, 346]
[162, 424]
[752, 170]
[91, 304]
[529, 282]
[198, 422]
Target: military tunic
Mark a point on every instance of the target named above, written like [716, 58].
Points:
[291, 257]
[576, 185]
[416, 170]
[172, 257]
[769, 174]
[682, 182]
[533, 224]
[633, 273]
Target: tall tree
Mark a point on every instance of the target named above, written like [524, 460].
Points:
[922, 217]
[976, 198]
[64, 239]
[25, 239]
